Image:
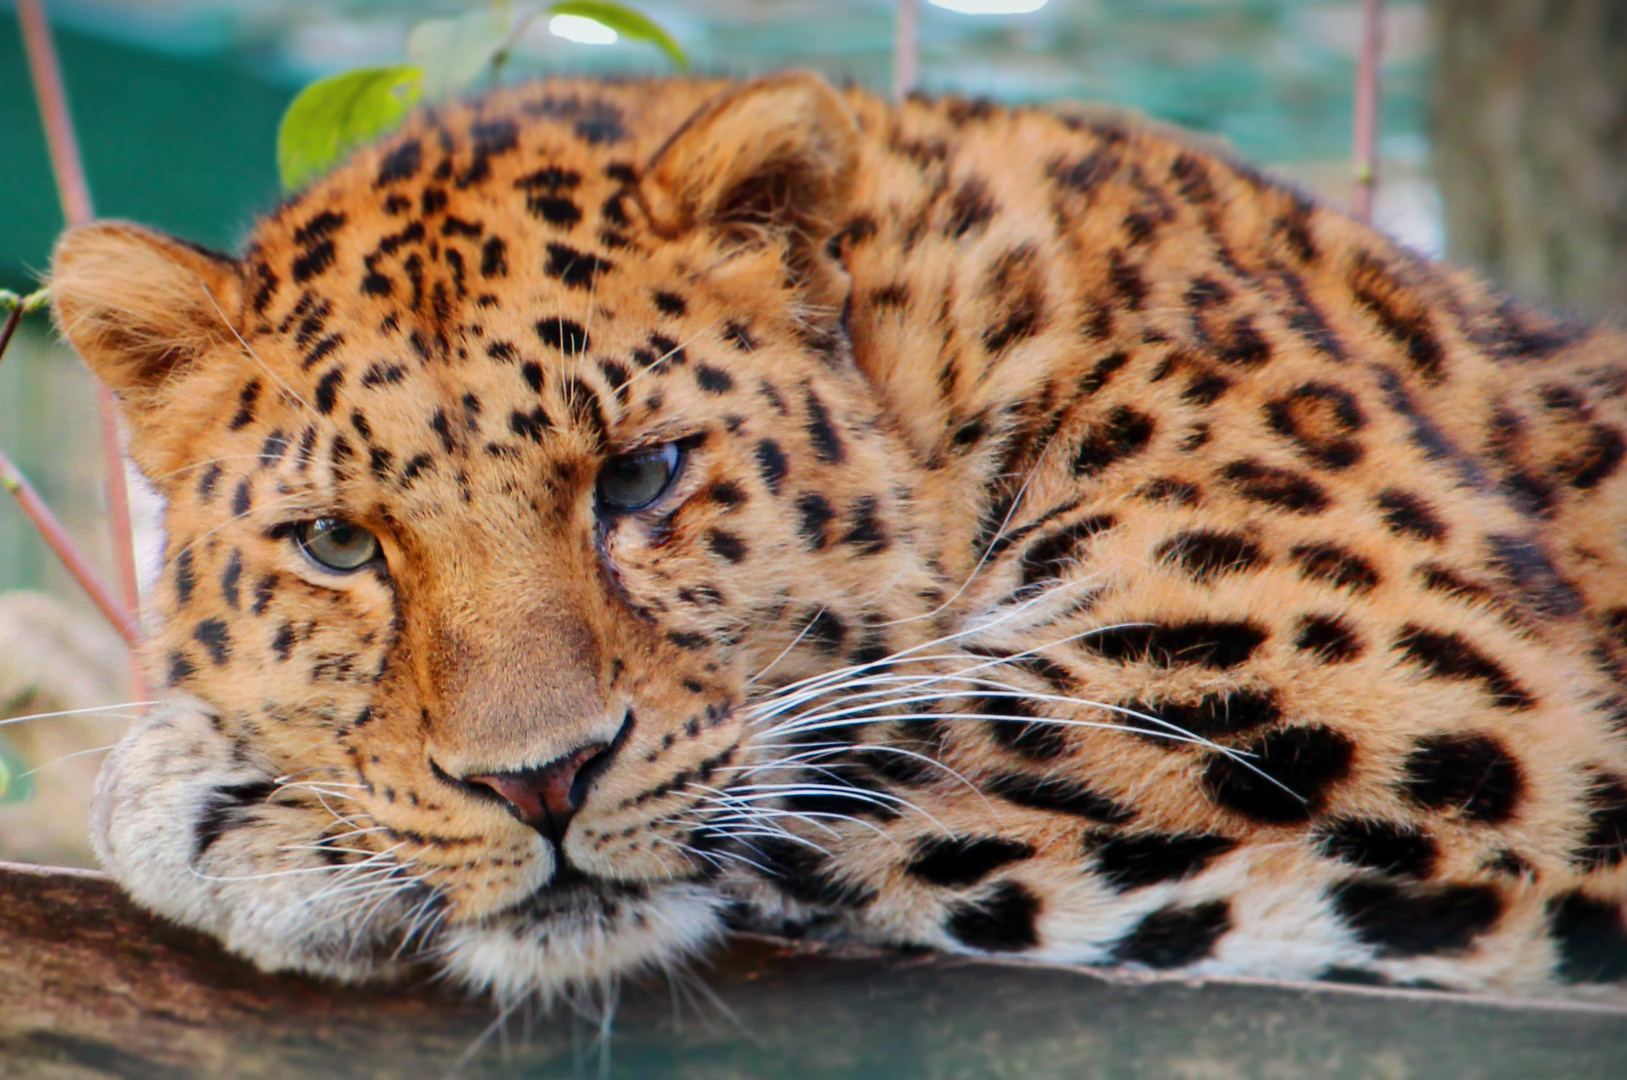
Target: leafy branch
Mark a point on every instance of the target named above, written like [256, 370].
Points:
[333, 116]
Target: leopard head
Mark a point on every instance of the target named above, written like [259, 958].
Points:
[503, 472]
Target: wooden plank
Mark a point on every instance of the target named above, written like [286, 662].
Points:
[91, 987]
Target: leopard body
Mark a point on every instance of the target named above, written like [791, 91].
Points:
[1084, 548]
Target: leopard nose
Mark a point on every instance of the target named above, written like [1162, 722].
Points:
[546, 797]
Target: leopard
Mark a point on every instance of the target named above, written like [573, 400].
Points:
[604, 515]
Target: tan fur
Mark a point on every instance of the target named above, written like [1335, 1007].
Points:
[1084, 547]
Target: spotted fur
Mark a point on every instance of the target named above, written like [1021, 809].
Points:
[1085, 548]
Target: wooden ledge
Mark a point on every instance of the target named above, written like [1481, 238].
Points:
[91, 987]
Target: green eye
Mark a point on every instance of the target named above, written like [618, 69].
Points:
[634, 481]
[335, 544]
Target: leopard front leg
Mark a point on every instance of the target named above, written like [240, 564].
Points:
[197, 830]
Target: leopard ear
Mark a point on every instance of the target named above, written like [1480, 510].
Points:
[776, 157]
[146, 310]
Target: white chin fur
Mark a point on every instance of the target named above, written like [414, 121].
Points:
[527, 952]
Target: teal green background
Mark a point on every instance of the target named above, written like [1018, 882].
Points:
[178, 142]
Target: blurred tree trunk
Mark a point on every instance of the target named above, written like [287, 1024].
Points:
[1530, 145]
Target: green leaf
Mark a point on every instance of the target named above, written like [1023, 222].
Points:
[453, 52]
[624, 21]
[333, 116]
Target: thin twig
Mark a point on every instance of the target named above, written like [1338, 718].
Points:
[1365, 121]
[37, 512]
[906, 56]
[53, 105]
[74, 194]
[10, 328]
[60, 542]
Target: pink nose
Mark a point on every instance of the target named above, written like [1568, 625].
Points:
[546, 797]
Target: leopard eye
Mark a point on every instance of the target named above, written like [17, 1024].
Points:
[335, 544]
[634, 481]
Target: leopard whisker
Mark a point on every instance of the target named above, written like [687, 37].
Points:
[759, 819]
[837, 675]
[714, 857]
[66, 757]
[286, 500]
[835, 748]
[297, 870]
[82, 712]
[372, 912]
[785, 651]
[994, 541]
[249, 350]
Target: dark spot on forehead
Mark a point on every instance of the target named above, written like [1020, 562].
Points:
[185, 579]
[969, 208]
[246, 399]
[229, 579]
[400, 163]
[726, 545]
[827, 444]
[493, 258]
[318, 227]
[241, 497]
[216, 640]
[529, 424]
[563, 334]
[713, 380]
[577, 269]
[312, 262]
[209, 480]
[558, 210]
[327, 390]
[739, 336]
[600, 124]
